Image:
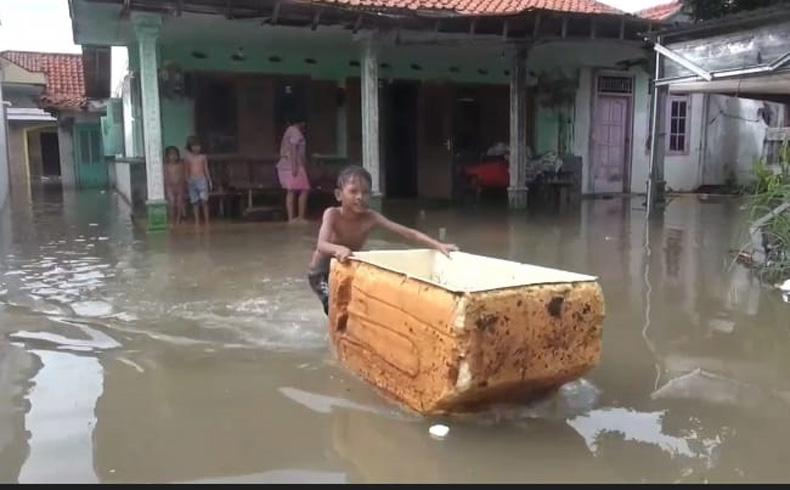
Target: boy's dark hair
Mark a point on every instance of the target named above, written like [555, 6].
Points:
[352, 172]
[172, 148]
[191, 141]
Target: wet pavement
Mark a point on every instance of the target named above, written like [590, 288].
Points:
[127, 357]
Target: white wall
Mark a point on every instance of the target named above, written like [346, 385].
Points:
[120, 179]
[68, 177]
[734, 137]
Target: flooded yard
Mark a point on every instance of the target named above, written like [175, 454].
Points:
[127, 357]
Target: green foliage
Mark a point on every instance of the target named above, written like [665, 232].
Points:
[711, 9]
[771, 189]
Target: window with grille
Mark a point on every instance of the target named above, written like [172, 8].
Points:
[615, 85]
[678, 124]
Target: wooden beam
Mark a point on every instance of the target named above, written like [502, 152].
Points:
[564, 27]
[276, 13]
[127, 6]
[593, 28]
[179, 7]
[505, 29]
[438, 26]
[357, 24]
[316, 19]
[473, 26]
[536, 27]
[622, 28]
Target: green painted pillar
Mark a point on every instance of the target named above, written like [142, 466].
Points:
[342, 122]
[371, 155]
[517, 191]
[146, 28]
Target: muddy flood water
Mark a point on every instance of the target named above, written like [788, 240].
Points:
[127, 357]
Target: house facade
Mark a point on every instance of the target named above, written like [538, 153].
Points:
[52, 127]
[711, 138]
[410, 89]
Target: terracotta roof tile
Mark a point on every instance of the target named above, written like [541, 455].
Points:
[486, 7]
[65, 80]
[661, 12]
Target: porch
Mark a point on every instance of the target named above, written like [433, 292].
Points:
[414, 98]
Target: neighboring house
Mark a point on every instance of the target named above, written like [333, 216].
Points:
[672, 12]
[711, 140]
[453, 78]
[715, 140]
[53, 132]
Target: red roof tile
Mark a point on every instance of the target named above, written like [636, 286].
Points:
[662, 12]
[486, 7]
[65, 80]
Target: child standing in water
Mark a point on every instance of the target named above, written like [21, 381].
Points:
[345, 229]
[198, 178]
[174, 184]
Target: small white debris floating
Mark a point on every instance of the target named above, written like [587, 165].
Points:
[439, 431]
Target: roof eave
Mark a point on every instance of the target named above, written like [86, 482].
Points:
[770, 15]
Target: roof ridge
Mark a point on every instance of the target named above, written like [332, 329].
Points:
[44, 53]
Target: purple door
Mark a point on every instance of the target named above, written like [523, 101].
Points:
[610, 138]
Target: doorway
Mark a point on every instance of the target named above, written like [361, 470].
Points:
[611, 135]
[401, 140]
[89, 156]
[50, 155]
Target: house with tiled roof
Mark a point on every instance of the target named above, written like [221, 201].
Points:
[46, 103]
[419, 92]
[670, 12]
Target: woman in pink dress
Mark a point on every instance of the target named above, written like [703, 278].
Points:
[292, 170]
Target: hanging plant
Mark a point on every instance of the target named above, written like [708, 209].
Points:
[557, 91]
[171, 80]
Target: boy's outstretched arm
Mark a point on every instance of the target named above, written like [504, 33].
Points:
[413, 235]
[340, 252]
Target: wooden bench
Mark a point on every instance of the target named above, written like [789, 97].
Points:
[255, 179]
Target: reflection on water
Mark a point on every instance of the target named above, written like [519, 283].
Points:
[634, 426]
[61, 419]
[127, 357]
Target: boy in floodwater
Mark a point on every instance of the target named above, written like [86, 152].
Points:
[198, 178]
[175, 184]
[345, 229]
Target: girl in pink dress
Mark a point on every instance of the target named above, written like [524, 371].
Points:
[292, 170]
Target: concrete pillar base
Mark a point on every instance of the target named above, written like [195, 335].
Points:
[517, 197]
[157, 215]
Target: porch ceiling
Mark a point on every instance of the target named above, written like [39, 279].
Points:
[331, 51]
[105, 22]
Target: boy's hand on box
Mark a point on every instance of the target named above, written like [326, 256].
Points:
[446, 248]
[342, 254]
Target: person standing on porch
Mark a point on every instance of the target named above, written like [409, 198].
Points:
[175, 184]
[198, 178]
[292, 171]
